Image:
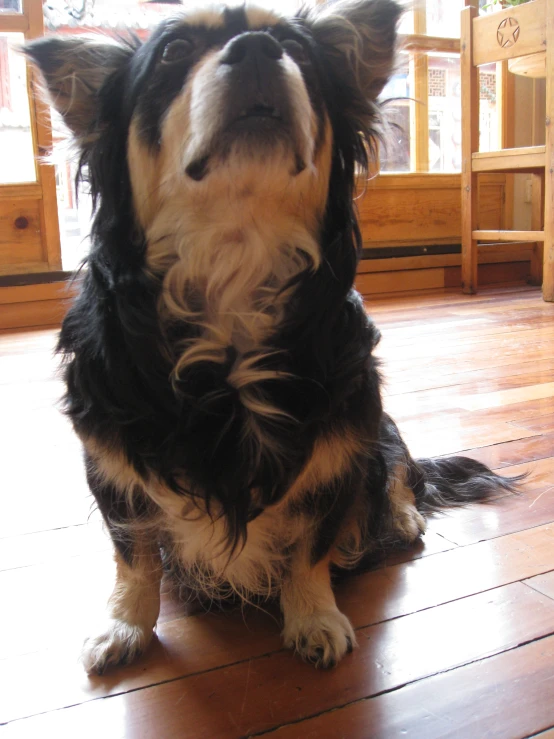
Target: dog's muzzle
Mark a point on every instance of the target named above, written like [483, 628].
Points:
[254, 102]
[257, 99]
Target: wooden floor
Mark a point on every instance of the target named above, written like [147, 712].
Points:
[456, 637]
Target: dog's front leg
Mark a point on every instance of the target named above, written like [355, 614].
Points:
[314, 626]
[134, 605]
[133, 610]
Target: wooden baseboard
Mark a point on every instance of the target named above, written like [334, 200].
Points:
[380, 283]
[29, 306]
[486, 255]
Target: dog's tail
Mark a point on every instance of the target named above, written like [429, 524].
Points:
[456, 481]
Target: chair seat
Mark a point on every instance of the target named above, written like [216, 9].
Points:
[509, 160]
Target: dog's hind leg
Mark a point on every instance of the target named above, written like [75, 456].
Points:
[134, 605]
[407, 522]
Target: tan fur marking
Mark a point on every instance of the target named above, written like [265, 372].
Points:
[133, 610]
[209, 17]
[407, 520]
[113, 466]
[332, 457]
[261, 18]
[314, 626]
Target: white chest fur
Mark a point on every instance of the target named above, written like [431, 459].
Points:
[199, 545]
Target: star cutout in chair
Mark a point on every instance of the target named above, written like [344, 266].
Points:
[508, 33]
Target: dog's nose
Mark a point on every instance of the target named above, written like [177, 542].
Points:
[252, 46]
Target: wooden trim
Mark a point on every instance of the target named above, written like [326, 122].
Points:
[527, 236]
[419, 113]
[395, 264]
[34, 293]
[32, 314]
[25, 191]
[410, 181]
[409, 281]
[509, 160]
[13, 23]
[419, 107]
[25, 268]
[531, 19]
[505, 95]
[422, 43]
[548, 267]
[470, 144]
[537, 225]
[42, 128]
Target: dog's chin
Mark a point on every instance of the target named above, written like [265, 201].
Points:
[259, 140]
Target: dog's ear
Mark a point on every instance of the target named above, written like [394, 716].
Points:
[359, 36]
[74, 70]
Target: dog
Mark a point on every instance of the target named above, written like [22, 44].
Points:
[218, 362]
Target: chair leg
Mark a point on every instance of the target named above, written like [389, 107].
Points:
[470, 205]
[548, 275]
[535, 277]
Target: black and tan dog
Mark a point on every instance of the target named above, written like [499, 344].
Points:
[218, 362]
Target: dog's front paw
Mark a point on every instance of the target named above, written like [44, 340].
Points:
[119, 644]
[322, 639]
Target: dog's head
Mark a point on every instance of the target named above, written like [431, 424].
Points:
[226, 101]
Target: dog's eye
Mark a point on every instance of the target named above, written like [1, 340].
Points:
[296, 51]
[177, 50]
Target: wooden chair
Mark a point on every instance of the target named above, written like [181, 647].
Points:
[516, 32]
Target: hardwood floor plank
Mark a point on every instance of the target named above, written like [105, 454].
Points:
[54, 545]
[499, 456]
[428, 441]
[476, 346]
[464, 327]
[472, 701]
[472, 374]
[518, 414]
[534, 507]
[484, 401]
[541, 425]
[260, 694]
[497, 378]
[422, 405]
[199, 643]
[499, 333]
[543, 583]
[451, 300]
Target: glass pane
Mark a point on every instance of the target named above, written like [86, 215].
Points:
[406, 22]
[488, 113]
[443, 17]
[395, 150]
[74, 209]
[445, 112]
[75, 213]
[17, 163]
[10, 6]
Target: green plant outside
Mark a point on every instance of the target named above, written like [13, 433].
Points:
[511, 3]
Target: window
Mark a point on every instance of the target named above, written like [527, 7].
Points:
[423, 100]
[17, 162]
[10, 6]
[423, 115]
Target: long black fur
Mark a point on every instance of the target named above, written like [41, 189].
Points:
[119, 359]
